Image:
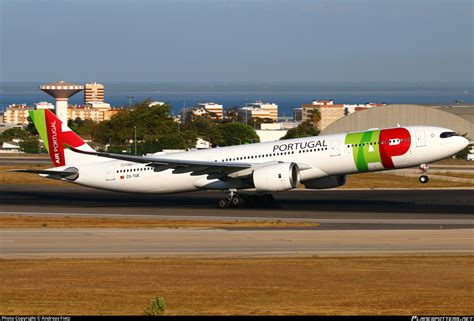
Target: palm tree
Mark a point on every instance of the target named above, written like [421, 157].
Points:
[315, 116]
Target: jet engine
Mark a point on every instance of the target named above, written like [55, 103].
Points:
[326, 182]
[275, 178]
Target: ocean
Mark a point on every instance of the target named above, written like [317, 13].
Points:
[230, 94]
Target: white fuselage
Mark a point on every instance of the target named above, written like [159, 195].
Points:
[318, 157]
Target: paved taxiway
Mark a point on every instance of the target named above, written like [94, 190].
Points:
[47, 243]
[353, 222]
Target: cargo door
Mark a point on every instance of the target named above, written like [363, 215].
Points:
[420, 138]
[110, 173]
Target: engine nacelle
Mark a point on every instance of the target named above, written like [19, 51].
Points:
[326, 182]
[275, 178]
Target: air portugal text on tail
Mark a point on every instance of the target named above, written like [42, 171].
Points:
[316, 162]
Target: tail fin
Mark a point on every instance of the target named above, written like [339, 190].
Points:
[56, 136]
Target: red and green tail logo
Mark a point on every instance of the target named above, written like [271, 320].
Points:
[55, 135]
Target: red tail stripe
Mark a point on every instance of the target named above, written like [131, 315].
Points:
[56, 149]
[70, 138]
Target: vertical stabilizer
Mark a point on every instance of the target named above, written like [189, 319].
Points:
[57, 136]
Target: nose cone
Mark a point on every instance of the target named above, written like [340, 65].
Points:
[461, 143]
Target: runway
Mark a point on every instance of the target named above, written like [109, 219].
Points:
[334, 209]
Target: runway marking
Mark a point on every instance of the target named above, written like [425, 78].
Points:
[256, 218]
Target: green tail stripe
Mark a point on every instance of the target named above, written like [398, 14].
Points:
[39, 119]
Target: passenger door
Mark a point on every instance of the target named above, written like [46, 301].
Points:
[110, 173]
[420, 138]
[335, 148]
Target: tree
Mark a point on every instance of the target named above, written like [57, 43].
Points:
[315, 116]
[232, 115]
[13, 133]
[305, 129]
[236, 133]
[30, 145]
[82, 127]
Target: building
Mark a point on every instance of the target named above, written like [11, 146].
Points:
[247, 113]
[11, 147]
[329, 112]
[270, 109]
[88, 112]
[44, 105]
[323, 102]
[212, 109]
[270, 135]
[351, 108]
[16, 114]
[156, 103]
[99, 105]
[297, 114]
[93, 92]
[459, 118]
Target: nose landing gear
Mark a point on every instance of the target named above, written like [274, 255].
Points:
[235, 200]
[424, 170]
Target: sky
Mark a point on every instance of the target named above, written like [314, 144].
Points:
[239, 40]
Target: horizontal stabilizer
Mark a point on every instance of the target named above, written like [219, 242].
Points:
[44, 172]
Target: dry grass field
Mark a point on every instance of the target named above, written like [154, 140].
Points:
[427, 285]
[22, 221]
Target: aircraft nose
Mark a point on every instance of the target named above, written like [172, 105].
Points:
[464, 142]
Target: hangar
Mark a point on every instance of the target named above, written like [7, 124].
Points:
[458, 118]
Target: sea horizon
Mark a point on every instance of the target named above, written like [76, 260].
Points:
[287, 95]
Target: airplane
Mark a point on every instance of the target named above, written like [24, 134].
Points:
[319, 162]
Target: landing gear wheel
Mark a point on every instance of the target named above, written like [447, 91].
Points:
[223, 203]
[237, 201]
[423, 179]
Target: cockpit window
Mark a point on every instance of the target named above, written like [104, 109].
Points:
[447, 134]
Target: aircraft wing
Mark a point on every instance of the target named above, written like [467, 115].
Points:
[196, 167]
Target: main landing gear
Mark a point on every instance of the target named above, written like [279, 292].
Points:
[424, 170]
[236, 200]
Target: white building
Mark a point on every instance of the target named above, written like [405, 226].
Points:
[11, 147]
[270, 108]
[99, 105]
[44, 105]
[247, 113]
[350, 108]
[270, 135]
[323, 102]
[93, 92]
[16, 114]
[155, 103]
[212, 108]
[202, 143]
